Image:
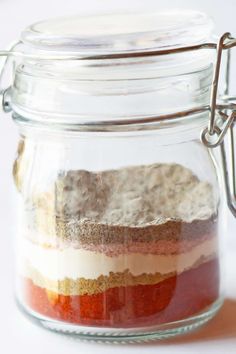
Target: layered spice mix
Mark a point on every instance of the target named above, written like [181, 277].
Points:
[120, 248]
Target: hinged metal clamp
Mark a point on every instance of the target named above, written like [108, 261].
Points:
[212, 136]
[5, 101]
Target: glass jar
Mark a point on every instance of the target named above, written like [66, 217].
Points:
[120, 204]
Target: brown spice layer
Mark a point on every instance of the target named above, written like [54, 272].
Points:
[87, 232]
[83, 286]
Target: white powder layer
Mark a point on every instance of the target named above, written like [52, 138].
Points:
[130, 196]
[56, 264]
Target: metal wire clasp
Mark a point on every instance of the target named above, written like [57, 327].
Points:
[213, 135]
[4, 94]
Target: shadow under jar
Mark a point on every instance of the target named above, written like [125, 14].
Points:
[119, 202]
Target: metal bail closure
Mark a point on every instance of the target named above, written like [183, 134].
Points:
[4, 93]
[213, 135]
[4, 97]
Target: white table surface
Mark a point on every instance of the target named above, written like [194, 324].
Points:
[17, 334]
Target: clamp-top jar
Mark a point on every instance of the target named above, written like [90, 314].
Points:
[120, 204]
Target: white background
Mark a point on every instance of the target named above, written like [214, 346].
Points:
[17, 335]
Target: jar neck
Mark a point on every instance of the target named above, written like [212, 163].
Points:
[135, 88]
[168, 131]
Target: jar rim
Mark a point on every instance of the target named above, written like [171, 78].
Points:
[118, 33]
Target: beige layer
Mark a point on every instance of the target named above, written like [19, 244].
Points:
[82, 286]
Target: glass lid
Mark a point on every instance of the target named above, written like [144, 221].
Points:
[119, 33]
[112, 89]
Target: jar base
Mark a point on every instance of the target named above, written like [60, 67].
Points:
[120, 335]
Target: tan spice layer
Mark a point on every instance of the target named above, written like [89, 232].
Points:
[82, 286]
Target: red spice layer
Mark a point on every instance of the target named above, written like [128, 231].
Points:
[173, 299]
